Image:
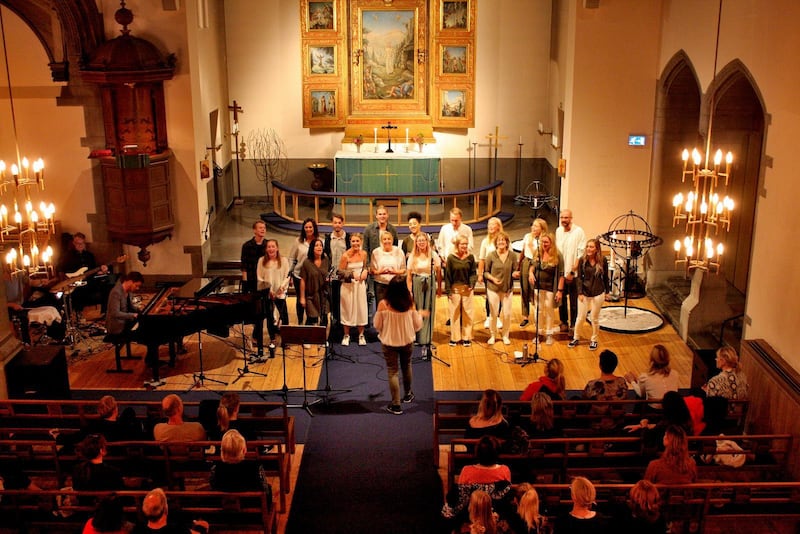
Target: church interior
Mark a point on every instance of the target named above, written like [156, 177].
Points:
[167, 127]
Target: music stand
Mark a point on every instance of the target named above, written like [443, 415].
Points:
[301, 335]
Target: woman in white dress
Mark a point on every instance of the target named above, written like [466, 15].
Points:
[353, 296]
[423, 279]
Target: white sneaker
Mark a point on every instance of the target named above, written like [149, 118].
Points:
[499, 323]
[506, 341]
[486, 323]
[345, 340]
[362, 340]
[492, 341]
[306, 346]
[549, 340]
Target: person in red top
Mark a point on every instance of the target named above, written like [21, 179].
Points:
[552, 383]
[487, 470]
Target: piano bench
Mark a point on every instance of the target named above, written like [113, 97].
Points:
[119, 341]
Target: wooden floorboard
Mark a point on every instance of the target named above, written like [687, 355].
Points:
[471, 368]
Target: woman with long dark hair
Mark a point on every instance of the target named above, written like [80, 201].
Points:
[397, 322]
[314, 284]
[298, 254]
[592, 277]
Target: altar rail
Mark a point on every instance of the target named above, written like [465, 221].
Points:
[478, 204]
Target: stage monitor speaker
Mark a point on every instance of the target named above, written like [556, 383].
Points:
[39, 373]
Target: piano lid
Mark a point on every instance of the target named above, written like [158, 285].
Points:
[199, 287]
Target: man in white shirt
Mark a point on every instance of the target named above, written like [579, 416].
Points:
[336, 243]
[450, 231]
[571, 242]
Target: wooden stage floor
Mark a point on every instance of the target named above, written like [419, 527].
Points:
[471, 368]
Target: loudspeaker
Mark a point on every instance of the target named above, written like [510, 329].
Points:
[39, 373]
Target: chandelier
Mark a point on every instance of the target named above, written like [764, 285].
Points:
[25, 232]
[705, 208]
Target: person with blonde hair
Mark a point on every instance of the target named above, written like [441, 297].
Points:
[530, 243]
[424, 277]
[353, 269]
[446, 243]
[228, 413]
[460, 276]
[500, 265]
[659, 379]
[592, 284]
[531, 521]
[494, 227]
[731, 382]
[675, 466]
[542, 421]
[387, 261]
[481, 516]
[552, 383]
[489, 420]
[545, 275]
[582, 518]
[233, 472]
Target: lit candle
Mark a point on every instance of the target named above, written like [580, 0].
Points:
[375, 135]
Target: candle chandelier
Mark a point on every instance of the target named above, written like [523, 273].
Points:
[706, 208]
[25, 227]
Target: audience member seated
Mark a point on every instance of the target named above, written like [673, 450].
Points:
[582, 519]
[233, 472]
[675, 465]
[552, 383]
[12, 477]
[489, 420]
[542, 423]
[176, 429]
[155, 512]
[528, 520]
[487, 470]
[115, 426]
[97, 286]
[608, 387]
[658, 380]
[92, 474]
[644, 511]
[482, 519]
[731, 382]
[675, 412]
[109, 518]
[228, 415]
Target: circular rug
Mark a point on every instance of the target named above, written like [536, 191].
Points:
[635, 321]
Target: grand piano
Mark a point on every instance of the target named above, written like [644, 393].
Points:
[199, 304]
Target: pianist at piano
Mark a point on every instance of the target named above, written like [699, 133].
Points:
[121, 314]
[78, 262]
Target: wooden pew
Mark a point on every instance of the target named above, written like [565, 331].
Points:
[626, 458]
[451, 417]
[23, 510]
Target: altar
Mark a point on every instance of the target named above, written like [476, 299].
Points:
[395, 174]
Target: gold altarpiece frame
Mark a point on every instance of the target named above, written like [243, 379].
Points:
[368, 62]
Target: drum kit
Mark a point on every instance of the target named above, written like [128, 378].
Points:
[76, 335]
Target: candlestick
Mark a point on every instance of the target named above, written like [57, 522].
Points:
[520, 139]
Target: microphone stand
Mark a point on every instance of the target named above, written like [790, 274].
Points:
[428, 301]
[537, 269]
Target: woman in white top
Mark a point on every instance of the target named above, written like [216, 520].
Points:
[397, 321]
[387, 262]
[353, 296]
[529, 245]
[424, 277]
[298, 254]
[273, 280]
[658, 380]
[493, 228]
